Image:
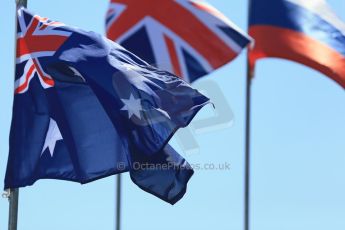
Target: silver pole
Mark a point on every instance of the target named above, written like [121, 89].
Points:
[22, 3]
[13, 199]
[247, 173]
[13, 196]
[247, 154]
[118, 202]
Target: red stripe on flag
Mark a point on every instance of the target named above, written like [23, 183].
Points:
[43, 43]
[25, 84]
[174, 16]
[41, 74]
[173, 56]
[288, 44]
[31, 43]
[210, 10]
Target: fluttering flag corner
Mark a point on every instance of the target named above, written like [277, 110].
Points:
[86, 108]
[304, 31]
[190, 38]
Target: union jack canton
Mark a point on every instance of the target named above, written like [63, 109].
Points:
[188, 38]
[37, 37]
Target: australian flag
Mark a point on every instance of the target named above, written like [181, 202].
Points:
[86, 108]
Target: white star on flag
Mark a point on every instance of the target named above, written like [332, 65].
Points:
[53, 135]
[133, 106]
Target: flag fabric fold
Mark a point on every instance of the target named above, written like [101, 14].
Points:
[188, 38]
[168, 167]
[307, 32]
[86, 108]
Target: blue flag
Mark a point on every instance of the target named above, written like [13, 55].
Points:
[86, 108]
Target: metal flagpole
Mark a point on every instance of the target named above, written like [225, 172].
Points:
[247, 152]
[247, 140]
[13, 198]
[118, 202]
[13, 194]
[22, 3]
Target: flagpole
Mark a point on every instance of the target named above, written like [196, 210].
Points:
[247, 151]
[13, 193]
[22, 3]
[118, 202]
[247, 139]
[13, 198]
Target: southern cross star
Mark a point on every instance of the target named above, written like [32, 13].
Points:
[53, 135]
[133, 106]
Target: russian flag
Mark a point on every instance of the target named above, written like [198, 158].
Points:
[305, 31]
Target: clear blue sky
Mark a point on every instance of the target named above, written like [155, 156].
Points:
[298, 149]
